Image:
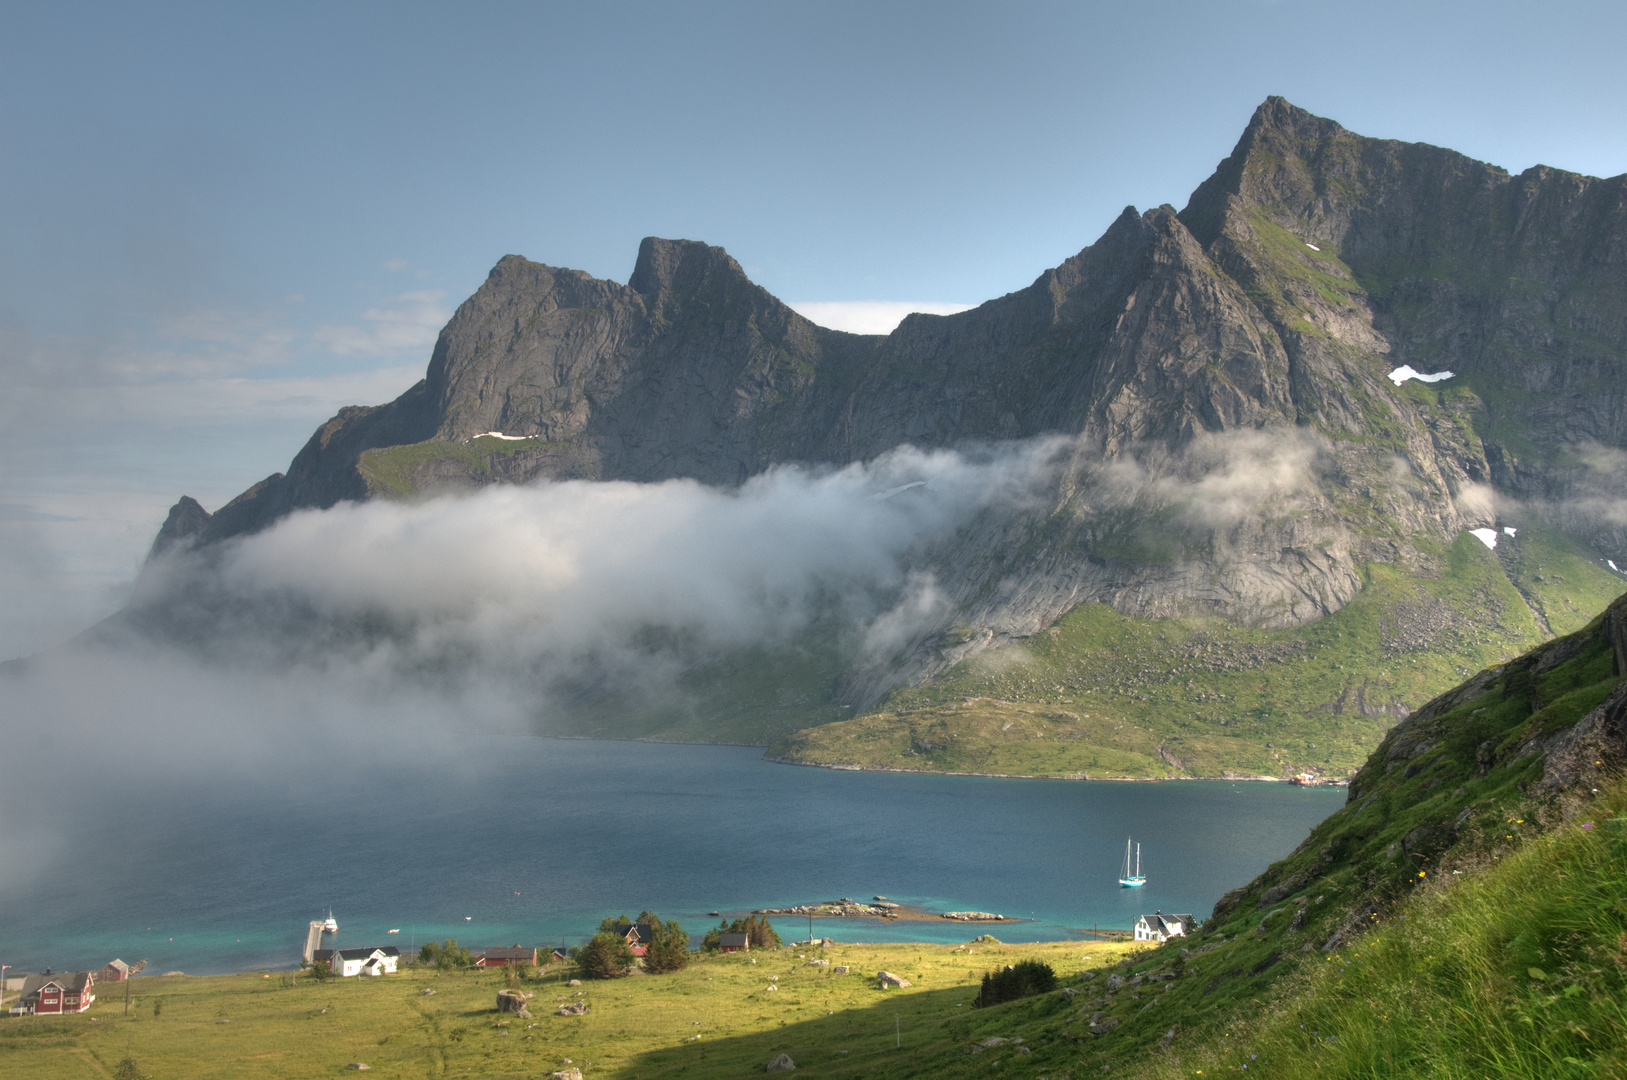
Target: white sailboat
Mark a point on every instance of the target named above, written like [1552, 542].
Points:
[1127, 879]
[330, 926]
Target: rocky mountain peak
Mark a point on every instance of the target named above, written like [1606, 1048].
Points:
[686, 265]
[186, 520]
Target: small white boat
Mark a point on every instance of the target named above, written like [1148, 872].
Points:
[1129, 879]
[330, 926]
[397, 930]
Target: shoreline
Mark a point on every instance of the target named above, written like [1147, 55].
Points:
[1074, 778]
[1337, 781]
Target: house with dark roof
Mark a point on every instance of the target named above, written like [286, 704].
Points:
[502, 956]
[1161, 927]
[380, 961]
[51, 994]
[639, 936]
[734, 943]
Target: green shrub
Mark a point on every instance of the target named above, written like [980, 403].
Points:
[606, 956]
[447, 955]
[669, 951]
[1023, 979]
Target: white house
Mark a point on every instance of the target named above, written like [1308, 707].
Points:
[1161, 927]
[366, 961]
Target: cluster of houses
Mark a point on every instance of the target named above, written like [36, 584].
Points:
[51, 993]
[347, 962]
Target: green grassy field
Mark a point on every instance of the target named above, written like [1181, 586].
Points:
[389, 470]
[1104, 695]
[715, 1019]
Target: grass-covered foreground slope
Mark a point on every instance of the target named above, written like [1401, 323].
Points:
[1104, 695]
[716, 1018]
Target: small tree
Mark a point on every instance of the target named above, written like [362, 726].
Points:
[669, 951]
[127, 1069]
[713, 941]
[320, 970]
[606, 956]
[618, 925]
[447, 955]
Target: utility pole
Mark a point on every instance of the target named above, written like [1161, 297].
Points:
[898, 1033]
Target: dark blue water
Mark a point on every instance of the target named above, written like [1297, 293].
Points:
[555, 835]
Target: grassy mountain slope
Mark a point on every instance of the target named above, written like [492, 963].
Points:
[1460, 916]
[1103, 695]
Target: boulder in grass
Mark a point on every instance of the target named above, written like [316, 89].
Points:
[783, 1063]
[511, 1001]
[575, 1008]
[358, 1065]
[572, 1073]
[884, 979]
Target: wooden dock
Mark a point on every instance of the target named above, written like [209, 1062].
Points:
[313, 940]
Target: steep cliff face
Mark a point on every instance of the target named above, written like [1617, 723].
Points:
[1235, 447]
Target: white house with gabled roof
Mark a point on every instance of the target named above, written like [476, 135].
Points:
[1161, 927]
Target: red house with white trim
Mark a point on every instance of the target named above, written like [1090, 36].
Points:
[52, 994]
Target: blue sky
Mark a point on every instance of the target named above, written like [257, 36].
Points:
[224, 221]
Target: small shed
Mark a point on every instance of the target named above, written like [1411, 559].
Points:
[734, 943]
[115, 971]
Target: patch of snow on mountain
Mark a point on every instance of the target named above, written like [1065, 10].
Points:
[1485, 536]
[1405, 372]
[1509, 530]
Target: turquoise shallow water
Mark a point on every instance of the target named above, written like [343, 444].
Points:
[553, 835]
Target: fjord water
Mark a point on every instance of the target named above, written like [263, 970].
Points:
[546, 837]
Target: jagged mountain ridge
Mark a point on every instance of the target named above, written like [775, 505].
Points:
[1172, 334]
